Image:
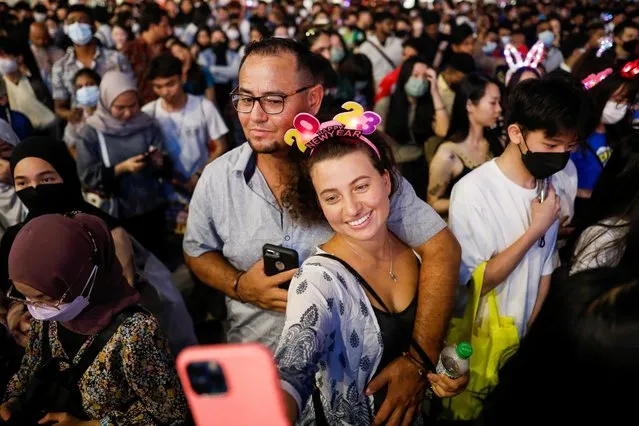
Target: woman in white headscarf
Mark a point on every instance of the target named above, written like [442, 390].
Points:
[12, 210]
[120, 158]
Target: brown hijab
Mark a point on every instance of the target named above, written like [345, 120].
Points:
[54, 253]
[113, 84]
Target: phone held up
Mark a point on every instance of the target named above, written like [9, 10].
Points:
[279, 259]
[232, 384]
[542, 194]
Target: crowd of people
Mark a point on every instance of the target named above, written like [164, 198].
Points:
[397, 147]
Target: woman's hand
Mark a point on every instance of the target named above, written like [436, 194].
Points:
[445, 387]
[66, 419]
[131, 165]
[8, 408]
[431, 76]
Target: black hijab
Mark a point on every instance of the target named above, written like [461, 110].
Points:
[60, 198]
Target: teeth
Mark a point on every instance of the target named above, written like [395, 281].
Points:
[360, 220]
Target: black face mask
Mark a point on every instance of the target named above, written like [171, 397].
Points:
[47, 199]
[544, 164]
[401, 33]
[630, 46]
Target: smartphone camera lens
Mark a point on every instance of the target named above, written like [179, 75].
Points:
[206, 378]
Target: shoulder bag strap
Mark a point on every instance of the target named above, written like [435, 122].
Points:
[103, 150]
[101, 340]
[381, 52]
[360, 279]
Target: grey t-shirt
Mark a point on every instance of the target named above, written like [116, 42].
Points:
[233, 211]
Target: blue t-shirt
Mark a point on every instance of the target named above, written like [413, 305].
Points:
[591, 160]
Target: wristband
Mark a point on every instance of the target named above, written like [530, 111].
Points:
[236, 284]
[415, 363]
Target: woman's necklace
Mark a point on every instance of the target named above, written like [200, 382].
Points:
[390, 250]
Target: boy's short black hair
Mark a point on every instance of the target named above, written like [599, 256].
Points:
[380, 17]
[80, 8]
[558, 106]
[164, 66]
[92, 74]
[460, 33]
[152, 14]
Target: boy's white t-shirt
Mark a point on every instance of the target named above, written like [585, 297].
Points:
[488, 213]
[188, 132]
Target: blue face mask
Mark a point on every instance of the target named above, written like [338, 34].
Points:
[337, 55]
[505, 40]
[547, 38]
[88, 96]
[489, 47]
[79, 33]
[416, 87]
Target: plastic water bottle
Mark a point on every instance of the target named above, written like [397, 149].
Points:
[453, 360]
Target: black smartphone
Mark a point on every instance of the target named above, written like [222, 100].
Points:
[279, 259]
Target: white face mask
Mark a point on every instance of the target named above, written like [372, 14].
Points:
[8, 66]
[65, 311]
[613, 112]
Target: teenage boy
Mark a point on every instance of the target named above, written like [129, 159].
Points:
[495, 212]
[191, 124]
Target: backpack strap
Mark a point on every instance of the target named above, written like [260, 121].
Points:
[359, 278]
[101, 340]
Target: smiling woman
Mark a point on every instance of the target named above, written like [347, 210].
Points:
[351, 307]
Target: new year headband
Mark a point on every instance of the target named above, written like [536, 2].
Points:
[308, 132]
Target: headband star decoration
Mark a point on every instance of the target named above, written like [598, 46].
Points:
[594, 79]
[308, 132]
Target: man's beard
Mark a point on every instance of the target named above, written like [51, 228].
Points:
[270, 149]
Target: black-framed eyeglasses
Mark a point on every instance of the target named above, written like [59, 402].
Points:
[270, 104]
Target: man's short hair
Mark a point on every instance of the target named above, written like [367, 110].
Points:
[152, 14]
[558, 106]
[430, 17]
[80, 8]
[10, 46]
[619, 29]
[277, 46]
[460, 33]
[164, 66]
[462, 62]
[380, 17]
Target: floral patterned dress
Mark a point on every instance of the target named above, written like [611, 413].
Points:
[131, 382]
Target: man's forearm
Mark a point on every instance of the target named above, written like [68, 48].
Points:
[438, 278]
[214, 270]
[502, 265]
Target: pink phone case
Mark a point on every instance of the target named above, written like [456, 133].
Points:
[253, 397]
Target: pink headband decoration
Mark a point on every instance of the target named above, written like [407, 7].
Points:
[308, 132]
[594, 79]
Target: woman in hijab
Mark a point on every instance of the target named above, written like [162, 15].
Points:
[66, 272]
[46, 181]
[12, 211]
[120, 153]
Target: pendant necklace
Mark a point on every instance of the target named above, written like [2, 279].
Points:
[390, 249]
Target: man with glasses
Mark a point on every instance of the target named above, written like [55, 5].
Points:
[239, 205]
